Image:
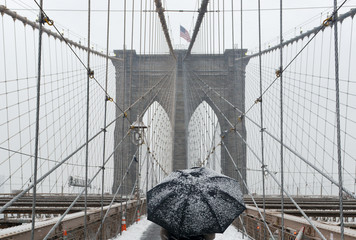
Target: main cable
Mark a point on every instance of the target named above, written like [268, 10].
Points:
[279, 72]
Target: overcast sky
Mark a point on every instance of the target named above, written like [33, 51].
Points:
[71, 16]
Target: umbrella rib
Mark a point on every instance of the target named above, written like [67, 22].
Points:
[224, 177]
[233, 198]
[183, 214]
[226, 194]
[211, 209]
[163, 200]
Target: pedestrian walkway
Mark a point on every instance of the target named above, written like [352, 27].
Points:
[152, 232]
[147, 230]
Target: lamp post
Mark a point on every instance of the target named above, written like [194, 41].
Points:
[138, 131]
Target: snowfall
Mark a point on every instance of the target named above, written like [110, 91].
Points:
[135, 232]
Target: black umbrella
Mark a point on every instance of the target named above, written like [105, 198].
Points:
[195, 202]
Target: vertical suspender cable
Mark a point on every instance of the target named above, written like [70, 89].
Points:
[232, 27]
[144, 85]
[219, 38]
[87, 130]
[281, 118]
[213, 26]
[243, 92]
[223, 26]
[6, 98]
[37, 121]
[137, 170]
[140, 88]
[105, 112]
[242, 79]
[261, 115]
[336, 45]
[123, 189]
[131, 53]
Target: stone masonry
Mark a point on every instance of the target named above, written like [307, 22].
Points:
[136, 74]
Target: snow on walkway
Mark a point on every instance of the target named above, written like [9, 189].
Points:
[230, 233]
[135, 231]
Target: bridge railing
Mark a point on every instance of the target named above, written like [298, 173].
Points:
[72, 224]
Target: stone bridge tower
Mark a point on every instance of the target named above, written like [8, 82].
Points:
[137, 74]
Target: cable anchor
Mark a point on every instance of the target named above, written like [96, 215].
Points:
[327, 21]
[125, 115]
[107, 98]
[91, 73]
[240, 118]
[47, 20]
[258, 100]
[278, 73]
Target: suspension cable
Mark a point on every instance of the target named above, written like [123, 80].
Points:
[160, 11]
[83, 190]
[18, 196]
[280, 71]
[257, 157]
[202, 11]
[37, 126]
[90, 71]
[115, 194]
[276, 139]
[281, 118]
[249, 193]
[105, 111]
[261, 116]
[337, 91]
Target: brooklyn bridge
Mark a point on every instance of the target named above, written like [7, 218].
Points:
[87, 131]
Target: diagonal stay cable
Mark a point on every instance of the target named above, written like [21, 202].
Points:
[116, 192]
[153, 156]
[148, 147]
[18, 196]
[257, 157]
[276, 139]
[90, 182]
[222, 143]
[137, 101]
[167, 94]
[89, 71]
[280, 71]
[285, 191]
[45, 159]
[263, 216]
[213, 147]
[81, 193]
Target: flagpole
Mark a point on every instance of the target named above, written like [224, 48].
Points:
[180, 39]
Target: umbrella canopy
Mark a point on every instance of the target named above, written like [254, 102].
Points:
[194, 202]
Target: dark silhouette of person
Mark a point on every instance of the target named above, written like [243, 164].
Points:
[165, 235]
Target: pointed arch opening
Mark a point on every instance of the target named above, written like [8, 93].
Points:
[204, 141]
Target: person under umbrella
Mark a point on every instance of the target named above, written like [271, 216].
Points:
[194, 203]
[165, 235]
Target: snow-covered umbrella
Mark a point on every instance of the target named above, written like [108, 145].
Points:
[195, 202]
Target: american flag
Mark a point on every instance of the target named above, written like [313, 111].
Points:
[184, 34]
